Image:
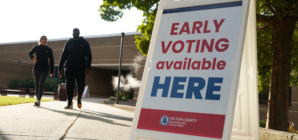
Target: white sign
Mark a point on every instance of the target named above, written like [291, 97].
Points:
[191, 84]
[86, 92]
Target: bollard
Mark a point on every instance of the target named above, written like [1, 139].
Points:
[20, 86]
[31, 93]
[62, 92]
[3, 93]
[22, 92]
[56, 96]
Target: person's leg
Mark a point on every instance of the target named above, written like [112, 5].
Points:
[43, 77]
[80, 79]
[36, 75]
[70, 78]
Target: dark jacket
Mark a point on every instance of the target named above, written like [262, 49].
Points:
[77, 53]
[43, 54]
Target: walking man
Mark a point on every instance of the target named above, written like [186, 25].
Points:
[77, 54]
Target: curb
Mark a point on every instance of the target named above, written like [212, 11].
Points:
[125, 107]
[269, 134]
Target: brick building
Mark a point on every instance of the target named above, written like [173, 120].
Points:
[15, 62]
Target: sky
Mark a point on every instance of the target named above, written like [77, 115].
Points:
[28, 20]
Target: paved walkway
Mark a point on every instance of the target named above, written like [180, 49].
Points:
[50, 121]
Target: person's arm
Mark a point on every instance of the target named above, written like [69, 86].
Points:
[62, 60]
[89, 56]
[51, 61]
[33, 50]
[63, 57]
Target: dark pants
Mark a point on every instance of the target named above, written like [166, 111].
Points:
[39, 78]
[73, 75]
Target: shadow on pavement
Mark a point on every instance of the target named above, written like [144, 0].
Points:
[93, 100]
[107, 115]
[96, 117]
[2, 137]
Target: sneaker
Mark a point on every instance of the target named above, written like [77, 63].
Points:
[79, 103]
[68, 107]
[36, 104]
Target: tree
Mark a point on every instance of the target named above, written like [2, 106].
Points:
[277, 24]
[281, 16]
[110, 11]
[264, 49]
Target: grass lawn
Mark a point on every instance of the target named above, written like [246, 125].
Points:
[6, 100]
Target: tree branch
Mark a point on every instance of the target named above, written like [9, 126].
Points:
[270, 7]
[263, 27]
[264, 19]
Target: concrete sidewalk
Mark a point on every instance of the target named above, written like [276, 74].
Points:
[51, 120]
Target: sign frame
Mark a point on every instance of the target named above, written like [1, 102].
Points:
[246, 117]
[139, 134]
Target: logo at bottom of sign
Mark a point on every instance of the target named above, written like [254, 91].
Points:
[164, 120]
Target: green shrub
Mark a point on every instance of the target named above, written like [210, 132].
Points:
[51, 84]
[112, 98]
[28, 83]
[13, 83]
[264, 95]
[123, 96]
[262, 123]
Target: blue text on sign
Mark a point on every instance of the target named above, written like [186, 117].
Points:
[191, 88]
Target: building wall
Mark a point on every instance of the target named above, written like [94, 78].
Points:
[105, 50]
[12, 70]
[100, 83]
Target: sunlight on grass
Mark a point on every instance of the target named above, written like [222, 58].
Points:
[5, 100]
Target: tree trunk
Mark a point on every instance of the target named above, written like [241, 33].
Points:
[278, 101]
